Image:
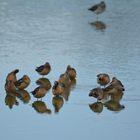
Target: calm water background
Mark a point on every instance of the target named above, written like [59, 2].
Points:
[35, 31]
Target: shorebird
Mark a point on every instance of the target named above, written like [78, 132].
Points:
[58, 88]
[99, 93]
[39, 92]
[44, 82]
[23, 82]
[44, 69]
[98, 8]
[103, 79]
[65, 79]
[12, 76]
[71, 72]
[10, 86]
[117, 83]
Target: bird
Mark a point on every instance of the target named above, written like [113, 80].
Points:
[39, 92]
[44, 69]
[58, 88]
[117, 83]
[24, 96]
[12, 76]
[98, 8]
[71, 72]
[98, 93]
[23, 82]
[112, 89]
[65, 79]
[44, 82]
[103, 79]
[10, 86]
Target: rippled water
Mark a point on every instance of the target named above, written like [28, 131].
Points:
[64, 32]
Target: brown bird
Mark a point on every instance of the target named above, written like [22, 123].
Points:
[12, 76]
[65, 79]
[103, 79]
[71, 72]
[44, 82]
[111, 89]
[10, 86]
[44, 69]
[23, 82]
[117, 83]
[24, 96]
[39, 92]
[99, 93]
[58, 88]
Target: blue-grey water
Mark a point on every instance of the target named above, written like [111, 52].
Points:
[64, 32]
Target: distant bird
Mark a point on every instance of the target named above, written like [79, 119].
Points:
[23, 82]
[98, 8]
[71, 72]
[12, 76]
[58, 88]
[103, 79]
[39, 92]
[44, 82]
[44, 69]
[117, 83]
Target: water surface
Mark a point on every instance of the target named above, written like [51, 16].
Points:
[33, 32]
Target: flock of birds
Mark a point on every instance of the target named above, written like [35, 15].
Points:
[108, 94]
[109, 91]
[61, 88]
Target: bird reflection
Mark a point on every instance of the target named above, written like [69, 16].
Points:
[96, 107]
[99, 25]
[66, 93]
[41, 107]
[114, 105]
[10, 100]
[24, 96]
[57, 102]
[44, 82]
[117, 96]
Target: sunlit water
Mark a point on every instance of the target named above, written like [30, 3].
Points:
[64, 32]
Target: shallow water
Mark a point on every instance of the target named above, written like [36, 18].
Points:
[65, 32]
